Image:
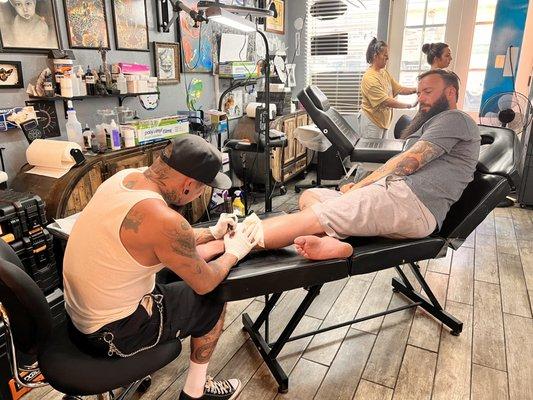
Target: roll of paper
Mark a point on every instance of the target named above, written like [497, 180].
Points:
[251, 109]
[51, 157]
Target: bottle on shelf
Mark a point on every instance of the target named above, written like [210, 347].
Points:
[122, 84]
[48, 86]
[74, 132]
[238, 205]
[95, 144]
[115, 136]
[90, 82]
[81, 81]
[66, 86]
[87, 136]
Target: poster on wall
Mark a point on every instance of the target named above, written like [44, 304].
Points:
[277, 24]
[11, 75]
[46, 117]
[233, 104]
[167, 62]
[130, 23]
[86, 24]
[28, 26]
[196, 43]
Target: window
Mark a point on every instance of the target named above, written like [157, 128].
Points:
[425, 22]
[480, 54]
[338, 33]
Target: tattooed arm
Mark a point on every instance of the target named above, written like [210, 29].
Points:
[202, 235]
[405, 163]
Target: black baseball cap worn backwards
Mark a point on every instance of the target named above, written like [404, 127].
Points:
[194, 157]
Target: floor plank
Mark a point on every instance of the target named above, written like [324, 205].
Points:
[488, 384]
[485, 259]
[505, 236]
[513, 287]
[345, 371]
[488, 338]
[376, 300]
[415, 380]
[487, 226]
[441, 265]
[328, 294]
[324, 346]
[519, 344]
[305, 379]
[526, 257]
[425, 331]
[452, 377]
[372, 391]
[386, 357]
[461, 283]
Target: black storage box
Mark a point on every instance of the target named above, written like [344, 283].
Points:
[28, 208]
[282, 100]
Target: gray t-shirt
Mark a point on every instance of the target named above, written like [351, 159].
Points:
[441, 182]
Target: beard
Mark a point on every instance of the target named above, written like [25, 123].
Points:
[422, 117]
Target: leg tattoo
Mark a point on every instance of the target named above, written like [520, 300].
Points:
[202, 348]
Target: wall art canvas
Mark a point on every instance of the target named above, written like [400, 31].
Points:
[28, 26]
[167, 62]
[196, 43]
[11, 75]
[131, 27]
[277, 25]
[86, 24]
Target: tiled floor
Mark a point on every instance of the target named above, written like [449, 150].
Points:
[487, 283]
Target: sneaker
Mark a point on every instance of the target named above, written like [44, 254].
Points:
[227, 389]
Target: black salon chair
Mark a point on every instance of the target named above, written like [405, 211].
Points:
[347, 142]
[31, 335]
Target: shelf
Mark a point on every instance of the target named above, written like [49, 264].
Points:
[120, 98]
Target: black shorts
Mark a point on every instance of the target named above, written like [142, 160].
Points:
[185, 313]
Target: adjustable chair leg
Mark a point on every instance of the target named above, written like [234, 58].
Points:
[430, 304]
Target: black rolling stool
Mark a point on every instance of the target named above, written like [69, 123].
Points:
[28, 325]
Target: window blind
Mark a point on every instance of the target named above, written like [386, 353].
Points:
[337, 35]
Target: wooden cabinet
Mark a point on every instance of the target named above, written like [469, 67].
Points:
[71, 193]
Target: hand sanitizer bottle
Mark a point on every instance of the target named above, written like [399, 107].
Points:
[74, 133]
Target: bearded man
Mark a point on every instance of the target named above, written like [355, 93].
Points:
[407, 197]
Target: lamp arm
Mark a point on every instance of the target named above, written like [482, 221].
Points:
[197, 16]
[265, 127]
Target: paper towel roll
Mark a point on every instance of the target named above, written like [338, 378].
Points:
[51, 157]
[251, 109]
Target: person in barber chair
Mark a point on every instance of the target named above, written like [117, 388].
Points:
[408, 197]
[379, 89]
[125, 235]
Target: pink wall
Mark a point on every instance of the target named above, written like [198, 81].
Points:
[525, 66]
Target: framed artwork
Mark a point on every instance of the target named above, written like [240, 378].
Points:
[196, 43]
[130, 23]
[11, 75]
[167, 62]
[86, 24]
[277, 25]
[233, 104]
[28, 26]
[46, 117]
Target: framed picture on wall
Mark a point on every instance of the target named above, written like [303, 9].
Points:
[131, 26]
[167, 62]
[86, 24]
[277, 24]
[11, 75]
[196, 43]
[28, 26]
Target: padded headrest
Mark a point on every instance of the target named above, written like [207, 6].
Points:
[318, 98]
[500, 153]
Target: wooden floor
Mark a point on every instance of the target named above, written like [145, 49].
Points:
[487, 283]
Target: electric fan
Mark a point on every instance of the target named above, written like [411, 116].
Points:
[509, 110]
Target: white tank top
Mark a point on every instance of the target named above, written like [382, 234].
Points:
[103, 282]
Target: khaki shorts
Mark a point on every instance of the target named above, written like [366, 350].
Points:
[385, 208]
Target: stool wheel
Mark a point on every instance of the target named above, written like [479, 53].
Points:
[283, 190]
[145, 385]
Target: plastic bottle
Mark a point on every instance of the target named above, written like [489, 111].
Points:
[238, 205]
[73, 126]
[228, 207]
[90, 82]
[122, 84]
[81, 81]
[95, 145]
[115, 136]
[87, 135]
[66, 86]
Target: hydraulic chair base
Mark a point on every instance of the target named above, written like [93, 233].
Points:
[270, 350]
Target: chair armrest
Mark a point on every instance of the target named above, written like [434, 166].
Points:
[376, 150]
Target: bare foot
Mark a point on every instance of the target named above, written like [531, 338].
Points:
[321, 248]
[211, 249]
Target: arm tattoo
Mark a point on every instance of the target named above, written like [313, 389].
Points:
[182, 240]
[203, 235]
[132, 221]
